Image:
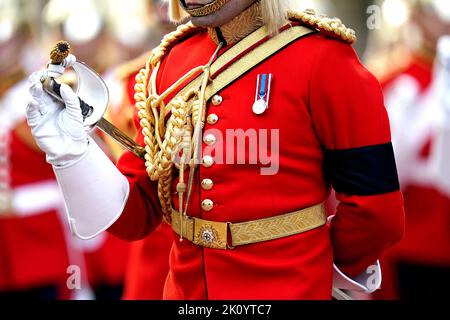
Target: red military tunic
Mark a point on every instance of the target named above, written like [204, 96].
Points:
[148, 266]
[323, 102]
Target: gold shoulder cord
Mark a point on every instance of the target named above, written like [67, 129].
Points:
[164, 140]
[331, 26]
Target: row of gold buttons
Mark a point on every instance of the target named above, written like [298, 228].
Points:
[208, 161]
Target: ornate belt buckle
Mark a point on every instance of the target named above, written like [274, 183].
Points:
[210, 234]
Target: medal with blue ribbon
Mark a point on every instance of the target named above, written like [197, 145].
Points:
[262, 97]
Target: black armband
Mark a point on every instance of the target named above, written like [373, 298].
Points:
[362, 171]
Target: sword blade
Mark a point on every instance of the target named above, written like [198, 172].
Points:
[121, 138]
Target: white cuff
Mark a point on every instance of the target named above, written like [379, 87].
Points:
[95, 193]
[367, 282]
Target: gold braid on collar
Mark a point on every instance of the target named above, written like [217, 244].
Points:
[239, 27]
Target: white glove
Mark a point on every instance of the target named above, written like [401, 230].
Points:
[58, 129]
[95, 191]
[57, 70]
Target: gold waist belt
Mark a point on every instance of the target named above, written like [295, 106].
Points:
[220, 235]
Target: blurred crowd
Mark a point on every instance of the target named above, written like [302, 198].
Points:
[403, 42]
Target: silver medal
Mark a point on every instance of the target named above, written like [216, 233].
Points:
[262, 97]
[259, 107]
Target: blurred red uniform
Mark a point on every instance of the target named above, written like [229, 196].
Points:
[33, 255]
[420, 263]
[36, 247]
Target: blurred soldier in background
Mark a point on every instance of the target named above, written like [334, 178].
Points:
[34, 253]
[93, 26]
[121, 30]
[419, 267]
[102, 33]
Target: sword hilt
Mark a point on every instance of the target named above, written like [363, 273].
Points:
[61, 51]
[86, 109]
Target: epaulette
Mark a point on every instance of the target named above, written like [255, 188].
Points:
[331, 27]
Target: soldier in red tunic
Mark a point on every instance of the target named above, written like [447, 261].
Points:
[33, 248]
[249, 115]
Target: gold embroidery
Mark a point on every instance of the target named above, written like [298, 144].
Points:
[241, 26]
[215, 234]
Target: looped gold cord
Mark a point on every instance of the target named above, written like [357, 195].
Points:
[330, 26]
[163, 139]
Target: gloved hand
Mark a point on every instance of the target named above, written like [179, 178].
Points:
[94, 190]
[58, 129]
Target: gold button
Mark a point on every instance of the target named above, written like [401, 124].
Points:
[207, 184]
[217, 100]
[207, 205]
[210, 139]
[208, 161]
[213, 119]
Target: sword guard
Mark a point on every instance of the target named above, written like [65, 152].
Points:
[94, 102]
[91, 90]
